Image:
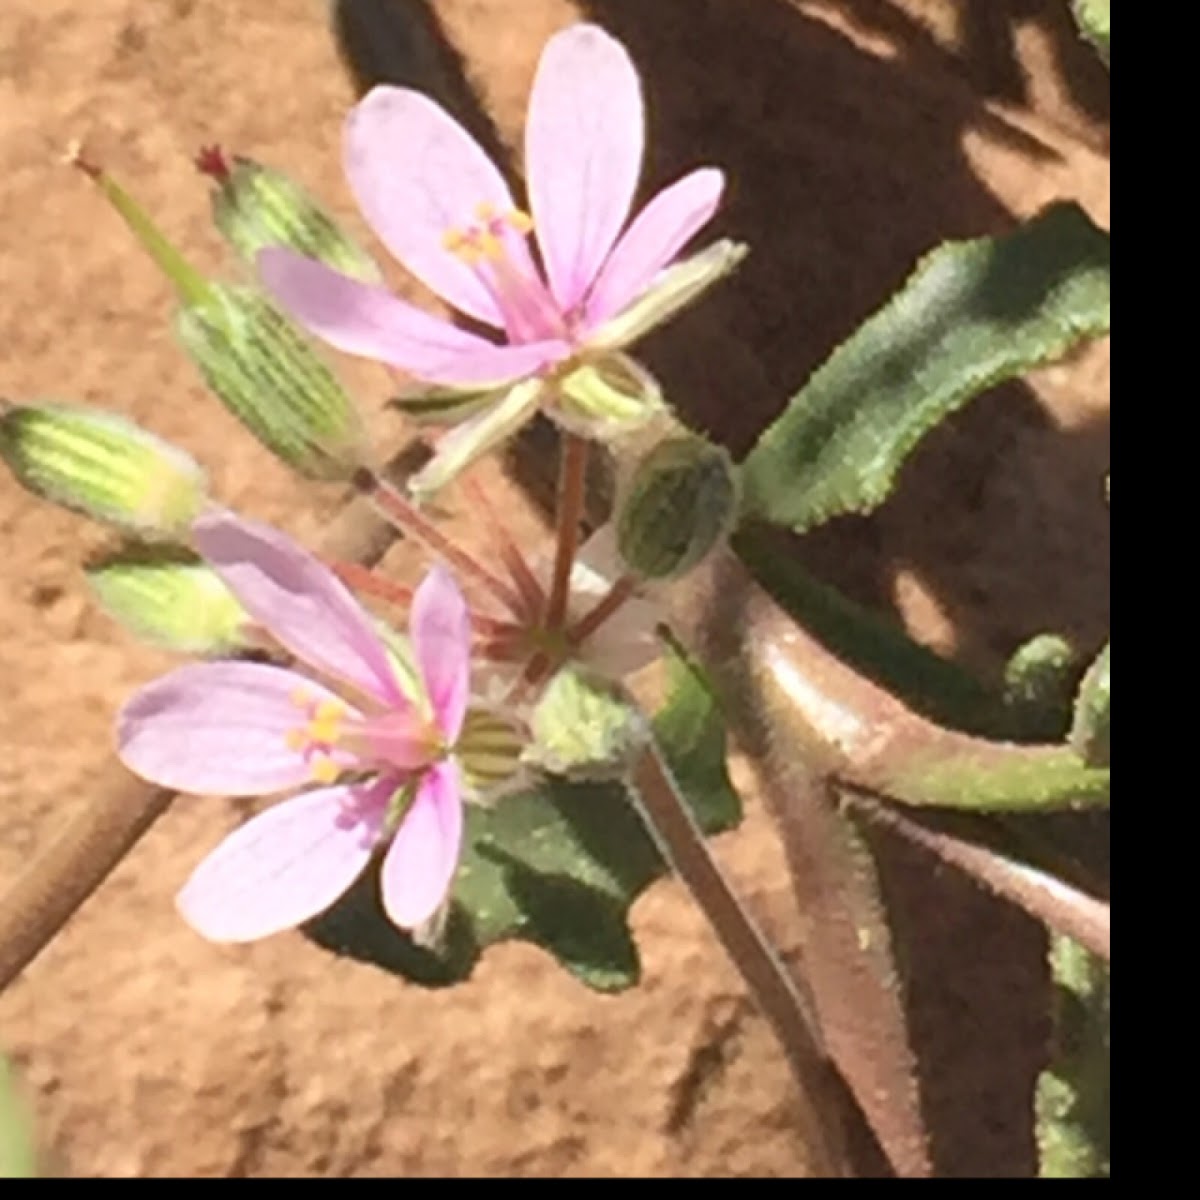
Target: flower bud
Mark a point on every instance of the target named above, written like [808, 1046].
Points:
[103, 466]
[681, 502]
[173, 602]
[265, 371]
[586, 727]
[490, 750]
[255, 206]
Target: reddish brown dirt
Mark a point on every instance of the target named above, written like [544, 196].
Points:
[857, 135]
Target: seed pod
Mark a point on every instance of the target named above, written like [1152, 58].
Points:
[103, 466]
[256, 206]
[260, 366]
[269, 376]
[1090, 728]
[681, 502]
[173, 602]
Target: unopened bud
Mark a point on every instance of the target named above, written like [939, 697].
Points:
[680, 504]
[490, 751]
[172, 602]
[256, 206]
[1090, 728]
[103, 466]
[606, 398]
[586, 727]
[268, 375]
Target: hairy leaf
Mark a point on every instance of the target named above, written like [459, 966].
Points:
[973, 314]
[1073, 1093]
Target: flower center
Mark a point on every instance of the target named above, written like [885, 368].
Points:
[333, 736]
[317, 739]
[493, 246]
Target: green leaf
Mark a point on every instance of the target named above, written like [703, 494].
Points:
[17, 1160]
[170, 598]
[1090, 728]
[1073, 1093]
[1092, 17]
[972, 315]
[558, 865]
[103, 466]
[992, 777]
[1039, 684]
[869, 642]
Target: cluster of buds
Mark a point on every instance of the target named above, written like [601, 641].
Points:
[386, 734]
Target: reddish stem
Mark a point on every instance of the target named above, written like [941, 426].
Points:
[407, 517]
[571, 480]
[603, 609]
[366, 581]
[519, 570]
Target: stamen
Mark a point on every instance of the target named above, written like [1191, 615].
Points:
[324, 770]
[296, 739]
[519, 222]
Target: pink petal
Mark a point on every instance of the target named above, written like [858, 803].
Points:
[286, 865]
[360, 318]
[301, 603]
[658, 233]
[420, 864]
[418, 175]
[486, 366]
[440, 628]
[363, 319]
[218, 728]
[583, 154]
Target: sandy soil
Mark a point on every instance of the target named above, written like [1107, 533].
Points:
[857, 135]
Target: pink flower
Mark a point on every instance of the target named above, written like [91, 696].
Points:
[245, 729]
[443, 209]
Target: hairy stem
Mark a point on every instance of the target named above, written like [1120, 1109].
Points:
[1057, 904]
[792, 1017]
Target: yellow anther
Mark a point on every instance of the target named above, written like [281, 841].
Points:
[296, 739]
[455, 240]
[301, 697]
[324, 770]
[490, 246]
[519, 221]
[485, 213]
[329, 710]
[324, 733]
